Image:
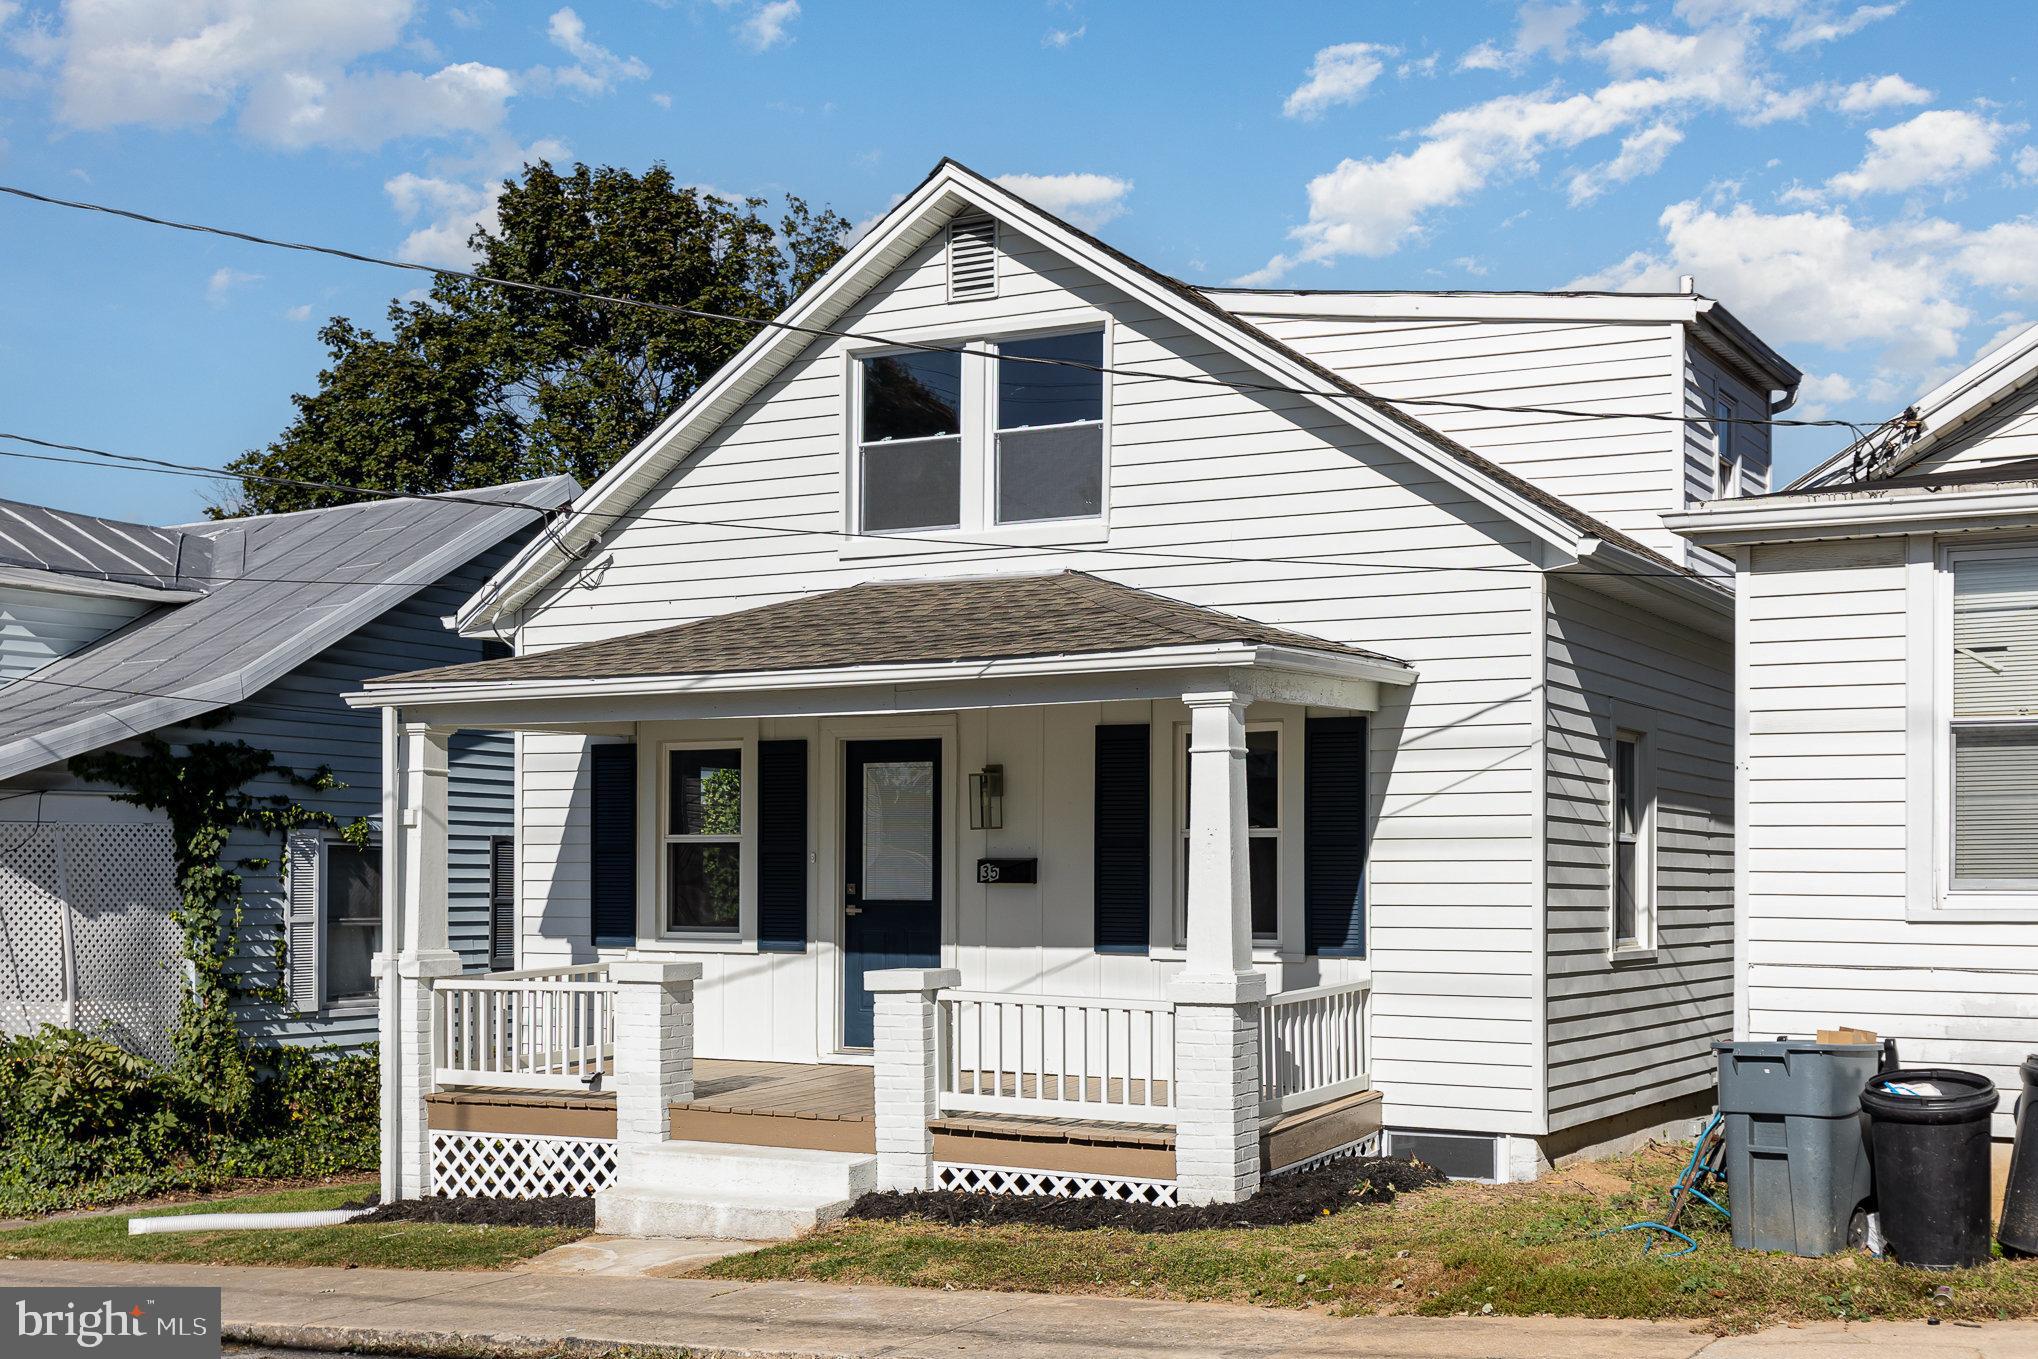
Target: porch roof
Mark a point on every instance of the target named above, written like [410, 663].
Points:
[915, 640]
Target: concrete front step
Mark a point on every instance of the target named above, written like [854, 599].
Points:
[730, 1191]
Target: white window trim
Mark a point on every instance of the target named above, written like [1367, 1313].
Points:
[979, 430]
[1287, 836]
[744, 935]
[327, 1004]
[1644, 945]
[1929, 766]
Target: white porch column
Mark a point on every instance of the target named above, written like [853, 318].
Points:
[416, 951]
[1217, 995]
[654, 1047]
[908, 1071]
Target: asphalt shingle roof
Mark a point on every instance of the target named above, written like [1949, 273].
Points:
[897, 622]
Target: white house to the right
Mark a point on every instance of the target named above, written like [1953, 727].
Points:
[1886, 789]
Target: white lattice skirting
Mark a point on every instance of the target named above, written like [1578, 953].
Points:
[520, 1165]
[972, 1179]
[1369, 1145]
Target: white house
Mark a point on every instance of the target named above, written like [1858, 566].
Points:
[1887, 672]
[860, 707]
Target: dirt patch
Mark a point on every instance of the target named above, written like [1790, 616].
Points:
[562, 1210]
[1283, 1201]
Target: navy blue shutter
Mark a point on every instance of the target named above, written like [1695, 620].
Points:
[1124, 876]
[782, 846]
[1334, 837]
[612, 843]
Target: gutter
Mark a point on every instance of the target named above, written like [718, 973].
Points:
[1857, 515]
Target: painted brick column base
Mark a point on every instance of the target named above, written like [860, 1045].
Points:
[413, 1028]
[908, 1071]
[654, 1048]
[1217, 1085]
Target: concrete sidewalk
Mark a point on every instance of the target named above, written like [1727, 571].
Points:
[420, 1313]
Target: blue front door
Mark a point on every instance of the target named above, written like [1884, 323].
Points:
[891, 893]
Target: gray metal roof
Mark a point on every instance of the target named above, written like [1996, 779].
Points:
[84, 547]
[278, 589]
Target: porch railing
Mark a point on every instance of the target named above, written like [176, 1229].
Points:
[543, 1029]
[1313, 1046]
[1057, 1057]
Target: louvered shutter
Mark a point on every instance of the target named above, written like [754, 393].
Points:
[1334, 837]
[782, 846]
[972, 259]
[612, 844]
[502, 903]
[301, 909]
[1124, 877]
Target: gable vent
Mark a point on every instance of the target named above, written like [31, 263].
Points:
[972, 258]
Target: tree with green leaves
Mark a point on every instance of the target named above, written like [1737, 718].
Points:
[476, 383]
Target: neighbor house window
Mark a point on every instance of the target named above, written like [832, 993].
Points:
[351, 925]
[1994, 721]
[1262, 827]
[703, 839]
[1632, 818]
[1050, 440]
[991, 432]
[1726, 455]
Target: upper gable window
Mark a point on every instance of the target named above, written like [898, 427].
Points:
[988, 434]
[1726, 481]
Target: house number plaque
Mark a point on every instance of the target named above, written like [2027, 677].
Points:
[1008, 870]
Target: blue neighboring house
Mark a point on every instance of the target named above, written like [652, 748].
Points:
[244, 629]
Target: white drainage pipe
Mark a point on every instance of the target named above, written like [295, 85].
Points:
[234, 1222]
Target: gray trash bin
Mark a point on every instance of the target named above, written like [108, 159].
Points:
[1797, 1145]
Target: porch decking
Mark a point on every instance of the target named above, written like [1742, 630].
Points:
[832, 1107]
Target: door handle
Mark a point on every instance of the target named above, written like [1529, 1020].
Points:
[852, 910]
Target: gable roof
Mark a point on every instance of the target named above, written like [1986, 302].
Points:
[897, 623]
[952, 188]
[279, 589]
[84, 554]
[1931, 422]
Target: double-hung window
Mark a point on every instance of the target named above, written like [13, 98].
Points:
[1726, 451]
[351, 930]
[981, 434]
[1631, 826]
[1262, 827]
[1993, 721]
[703, 837]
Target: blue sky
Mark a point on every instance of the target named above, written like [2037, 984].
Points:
[1858, 181]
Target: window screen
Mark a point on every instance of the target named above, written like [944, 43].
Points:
[911, 441]
[1050, 437]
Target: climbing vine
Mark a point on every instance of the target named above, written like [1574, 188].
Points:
[203, 789]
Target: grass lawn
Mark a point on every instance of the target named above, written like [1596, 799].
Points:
[1518, 1249]
[387, 1245]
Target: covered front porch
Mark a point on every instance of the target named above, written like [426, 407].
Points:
[1059, 886]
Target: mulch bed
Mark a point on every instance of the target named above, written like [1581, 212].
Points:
[563, 1210]
[1283, 1201]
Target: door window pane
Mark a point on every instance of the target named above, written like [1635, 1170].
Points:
[898, 831]
[703, 885]
[353, 919]
[912, 396]
[706, 792]
[914, 485]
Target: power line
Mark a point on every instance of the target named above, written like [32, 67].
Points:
[1149, 557]
[822, 332]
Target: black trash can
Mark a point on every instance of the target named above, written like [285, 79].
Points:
[2019, 1229]
[1931, 1160]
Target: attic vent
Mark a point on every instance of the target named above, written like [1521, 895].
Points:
[972, 258]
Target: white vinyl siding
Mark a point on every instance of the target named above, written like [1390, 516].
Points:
[1192, 469]
[40, 626]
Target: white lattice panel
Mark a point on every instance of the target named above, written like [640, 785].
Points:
[33, 971]
[974, 1179]
[1369, 1145]
[520, 1165]
[122, 884]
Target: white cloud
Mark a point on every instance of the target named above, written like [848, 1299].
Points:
[1641, 153]
[767, 26]
[1936, 147]
[361, 112]
[1541, 30]
[1088, 200]
[1063, 37]
[301, 312]
[595, 69]
[1808, 21]
[1880, 92]
[456, 201]
[1819, 393]
[2027, 161]
[1809, 29]
[1339, 74]
[1417, 66]
[224, 281]
[663, 101]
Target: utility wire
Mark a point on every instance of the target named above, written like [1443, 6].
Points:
[822, 332]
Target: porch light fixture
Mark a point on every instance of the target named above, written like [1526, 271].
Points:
[987, 798]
